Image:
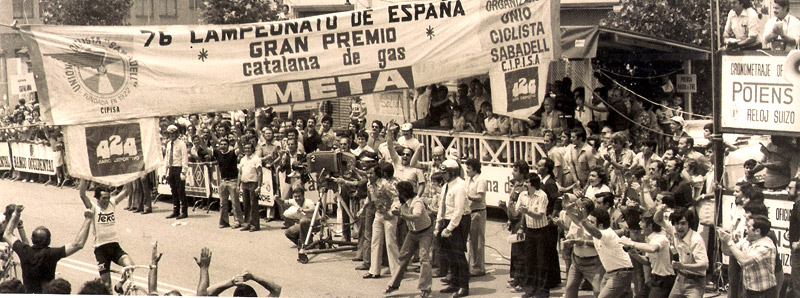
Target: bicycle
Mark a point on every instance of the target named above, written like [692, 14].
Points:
[9, 270]
[126, 286]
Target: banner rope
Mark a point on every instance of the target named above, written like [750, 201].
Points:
[637, 77]
[608, 105]
[650, 101]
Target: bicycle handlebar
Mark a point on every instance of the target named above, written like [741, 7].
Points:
[132, 267]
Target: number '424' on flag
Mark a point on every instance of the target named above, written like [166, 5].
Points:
[113, 153]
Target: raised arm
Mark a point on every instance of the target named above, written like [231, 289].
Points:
[204, 263]
[152, 277]
[392, 151]
[83, 234]
[126, 190]
[82, 190]
[8, 233]
[271, 286]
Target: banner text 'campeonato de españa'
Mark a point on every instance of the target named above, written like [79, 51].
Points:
[94, 74]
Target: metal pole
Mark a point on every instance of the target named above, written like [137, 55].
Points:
[719, 150]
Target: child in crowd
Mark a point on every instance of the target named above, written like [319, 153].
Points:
[357, 108]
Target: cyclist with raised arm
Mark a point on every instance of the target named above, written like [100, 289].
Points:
[106, 238]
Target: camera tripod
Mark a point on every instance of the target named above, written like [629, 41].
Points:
[325, 243]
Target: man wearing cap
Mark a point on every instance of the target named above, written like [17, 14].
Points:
[407, 139]
[177, 163]
[452, 225]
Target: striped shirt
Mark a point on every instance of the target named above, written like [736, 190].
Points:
[536, 204]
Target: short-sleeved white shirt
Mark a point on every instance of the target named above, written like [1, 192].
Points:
[610, 251]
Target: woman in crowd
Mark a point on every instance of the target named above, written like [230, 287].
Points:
[598, 182]
[519, 175]
[382, 192]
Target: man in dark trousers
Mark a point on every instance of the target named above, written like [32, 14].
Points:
[453, 224]
[177, 163]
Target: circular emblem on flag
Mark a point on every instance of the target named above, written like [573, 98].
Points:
[100, 69]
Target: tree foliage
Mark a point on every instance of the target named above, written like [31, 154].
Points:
[86, 12]
[687, 21]
[238, 11]
[679, 20]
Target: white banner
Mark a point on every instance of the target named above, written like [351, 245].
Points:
[113, 153]
[521, 47]
[21, 84]
[5, 157]
[33, 158]
[95, 74]
[266, 197]
[780, 209]
[498, 184]
[756, 98]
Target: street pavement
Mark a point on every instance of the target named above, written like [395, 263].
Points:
[266, 253]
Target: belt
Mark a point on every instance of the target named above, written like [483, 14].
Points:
[229, 179]
[692, 276]
[420, 231]
[583, 258]
[479, 210]
[620, 270]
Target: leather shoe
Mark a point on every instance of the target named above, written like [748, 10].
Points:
[247, 228]
[223, 226]
[173, 215]
[358, 260]
[182, 216]
[391, 289]
[425, 294]
[370, 276]
[446, 280]
[254, 229]
[137, 210]
[477, 274]
[439, 274]
[147, 211]
[450, 289]
[362, 267]
[462, 292]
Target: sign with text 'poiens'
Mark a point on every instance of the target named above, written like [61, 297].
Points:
[95, 74]
[756, 98]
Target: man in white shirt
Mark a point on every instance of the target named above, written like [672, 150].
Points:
[782, 31]
[177, 164]
[692, 255]
[249, 182]
[656, 246]
[742, 29]
[453, 224]
[476, 194]
[617, 263]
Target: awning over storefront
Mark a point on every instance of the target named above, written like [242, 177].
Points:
[581, 42]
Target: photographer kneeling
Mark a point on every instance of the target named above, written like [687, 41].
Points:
[300, 211]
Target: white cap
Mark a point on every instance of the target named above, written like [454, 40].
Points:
[406, 126]
[449, 164]
[172, 129]
[678, 119]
